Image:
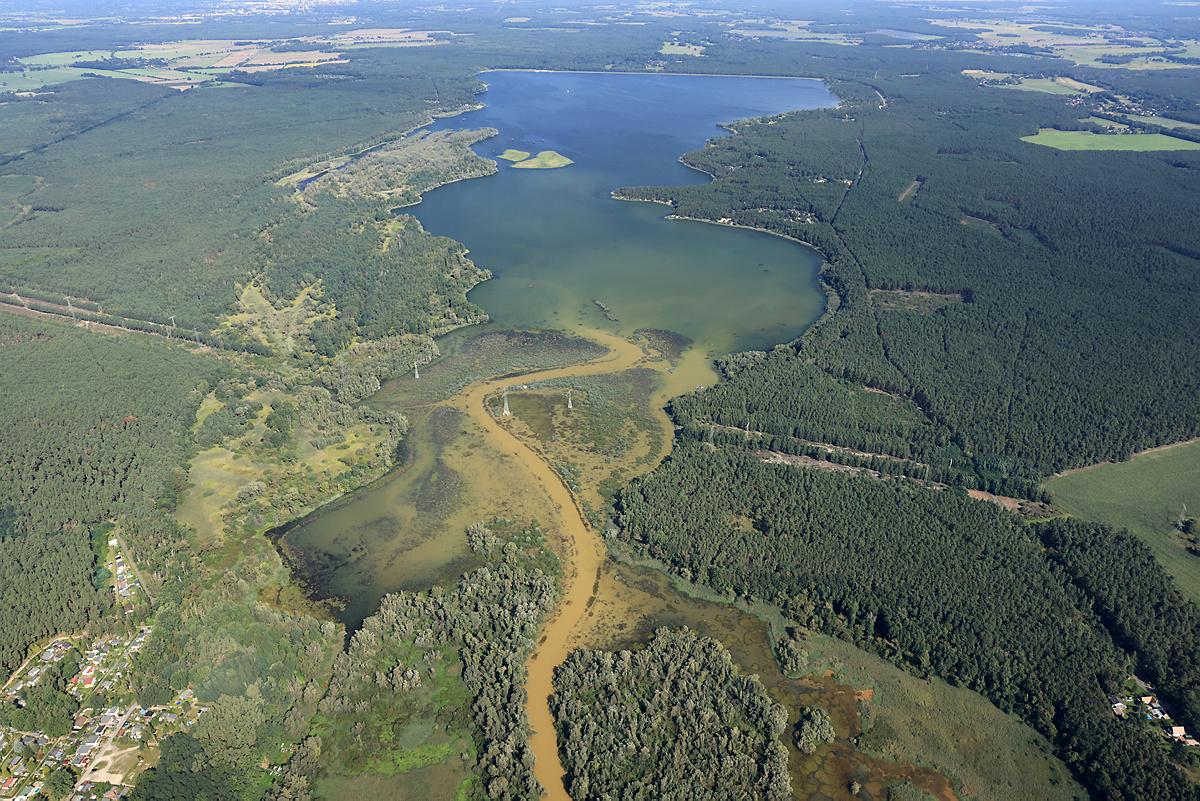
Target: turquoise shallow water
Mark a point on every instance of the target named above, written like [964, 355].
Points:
[555, 239]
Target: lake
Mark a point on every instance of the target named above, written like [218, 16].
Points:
[555, 241]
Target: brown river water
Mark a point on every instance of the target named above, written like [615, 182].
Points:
[605, 604]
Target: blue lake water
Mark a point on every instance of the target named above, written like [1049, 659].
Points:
[556, 239]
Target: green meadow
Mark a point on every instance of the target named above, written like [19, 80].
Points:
[1144, 495]
[989, 754]
[1086, 140]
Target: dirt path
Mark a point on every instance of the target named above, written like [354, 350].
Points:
[102, 753]
[580, 550]
[909, 191]
[36, 652]
[129, 560]
[115, 758]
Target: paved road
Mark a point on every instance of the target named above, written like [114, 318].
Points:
[98, 754]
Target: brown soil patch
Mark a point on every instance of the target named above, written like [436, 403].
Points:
[233, 59]
[120, 763]
[1011, 504]
[267, 57]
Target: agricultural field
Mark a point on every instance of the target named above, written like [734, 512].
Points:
[189, 63]
[1144, 495]
[1056, 85]
[675, 49]
[1165, 122]
[1086, 45]
[1086, 140]
[793, 29]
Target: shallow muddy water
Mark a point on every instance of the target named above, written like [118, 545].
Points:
[556, 242]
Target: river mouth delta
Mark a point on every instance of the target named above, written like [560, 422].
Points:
[601, 311]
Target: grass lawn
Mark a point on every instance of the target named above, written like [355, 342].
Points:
[1144, 495]
[669, 49]
[34, 80]
[1103, 123]
[442, 782]
[1043, 85]
[546, 160]
[1086, 140]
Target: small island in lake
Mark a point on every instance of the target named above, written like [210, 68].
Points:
[546, 160]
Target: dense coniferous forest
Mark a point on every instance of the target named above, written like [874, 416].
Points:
[937, 582]
[1001, 293]
[81, 441]
[1048, 358]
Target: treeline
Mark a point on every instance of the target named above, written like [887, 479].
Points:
[81, 441]
[169, 228]
[929, 579]
[358, 371]
[1138, 603]
[789, 405]
[56, 569]
[259, 672]
[227, 339]
[46, 707]
[674, 720]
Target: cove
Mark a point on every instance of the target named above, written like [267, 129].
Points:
[555, 241]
